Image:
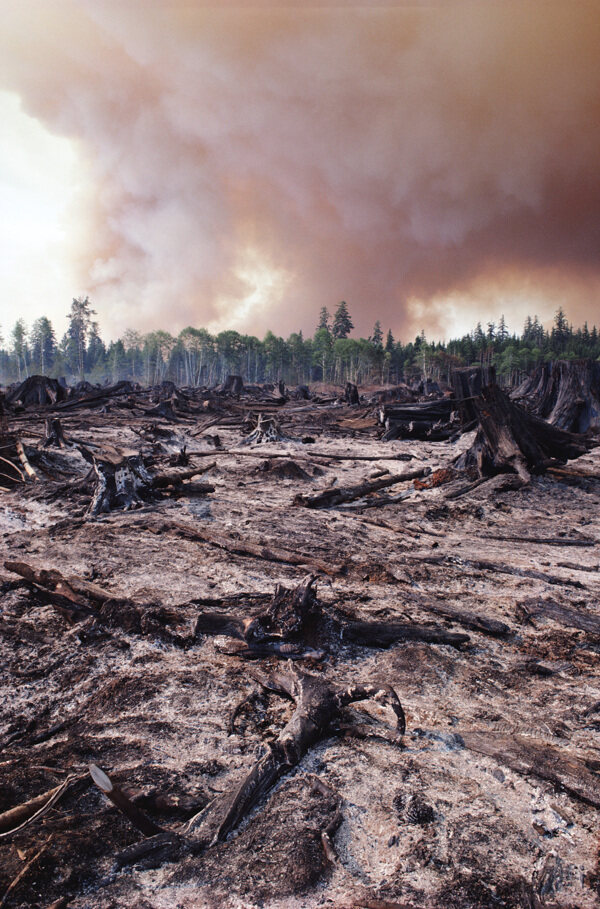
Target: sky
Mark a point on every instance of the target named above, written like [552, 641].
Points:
[241, 165]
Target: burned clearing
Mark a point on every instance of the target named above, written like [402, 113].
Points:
[268, 647]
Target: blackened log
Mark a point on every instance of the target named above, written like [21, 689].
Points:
[527, 756]
[384, 634]
[337, 495]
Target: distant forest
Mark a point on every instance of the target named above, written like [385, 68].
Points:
[195, 357]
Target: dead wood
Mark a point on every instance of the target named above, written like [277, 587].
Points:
[566, 393]
[294, 625]
[55, 436]
[37, 391]
[336, 496]
[493, 627]
[351, 395]
[271, 553]
[538, 541]
[19, 817]
[495, 567]
[510, 440]
[267, 429]
[318, 705]
[137, 817]
[556, 612]
[541, 760]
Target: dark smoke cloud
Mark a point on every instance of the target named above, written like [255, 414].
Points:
[250, 164]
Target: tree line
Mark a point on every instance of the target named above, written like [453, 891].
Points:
[196, 357]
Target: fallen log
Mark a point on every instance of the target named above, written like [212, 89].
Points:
[338, 495]
[294, 625]
[562, 615]
[541, 760]
[271, 553]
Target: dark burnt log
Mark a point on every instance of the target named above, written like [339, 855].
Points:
[273, 552]
[338, 495]
[556, 612]
[566, 393]
[510, 440]
[351, 395]
[55, 436]
[79, 600]
[385, 634]
[541, 760]
[295, 626]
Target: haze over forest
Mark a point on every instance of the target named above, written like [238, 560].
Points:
[241, 166]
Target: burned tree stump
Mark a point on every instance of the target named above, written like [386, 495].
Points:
[55, 437]
[267, 430]
[122, 483]
[510, 440]
[232, 386]
[294, 627]
[37, 391]
[566, 393]
[351, 395]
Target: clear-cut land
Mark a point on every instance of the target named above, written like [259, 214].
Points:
[316, 669]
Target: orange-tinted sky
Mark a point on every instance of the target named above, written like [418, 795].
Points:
[243, 165]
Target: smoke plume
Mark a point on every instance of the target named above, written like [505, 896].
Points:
[247, 164]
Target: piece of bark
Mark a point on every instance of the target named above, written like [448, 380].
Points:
[338, 495]
[535, 758]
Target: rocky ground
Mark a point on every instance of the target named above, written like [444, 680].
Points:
[491, 800]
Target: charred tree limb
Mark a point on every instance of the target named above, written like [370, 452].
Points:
[539, 759]
[336, 496]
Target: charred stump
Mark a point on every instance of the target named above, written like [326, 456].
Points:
[566, 393]
[55, 436]
[267, 429]
[37, 391]
[351, 395]
[510, 440]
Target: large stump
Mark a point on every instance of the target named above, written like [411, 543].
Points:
[566, 393]
[510, 440]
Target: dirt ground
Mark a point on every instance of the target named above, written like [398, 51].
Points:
[491, 801]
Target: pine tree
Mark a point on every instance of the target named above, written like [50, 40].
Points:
[376, 338]
[342, 323]
[389, 342]
[323, 319]
[80, 321]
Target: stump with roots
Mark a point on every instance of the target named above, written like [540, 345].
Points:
[267, 429]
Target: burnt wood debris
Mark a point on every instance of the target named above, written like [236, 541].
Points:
[280, 643]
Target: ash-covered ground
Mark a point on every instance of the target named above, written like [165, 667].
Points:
[492, 799]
